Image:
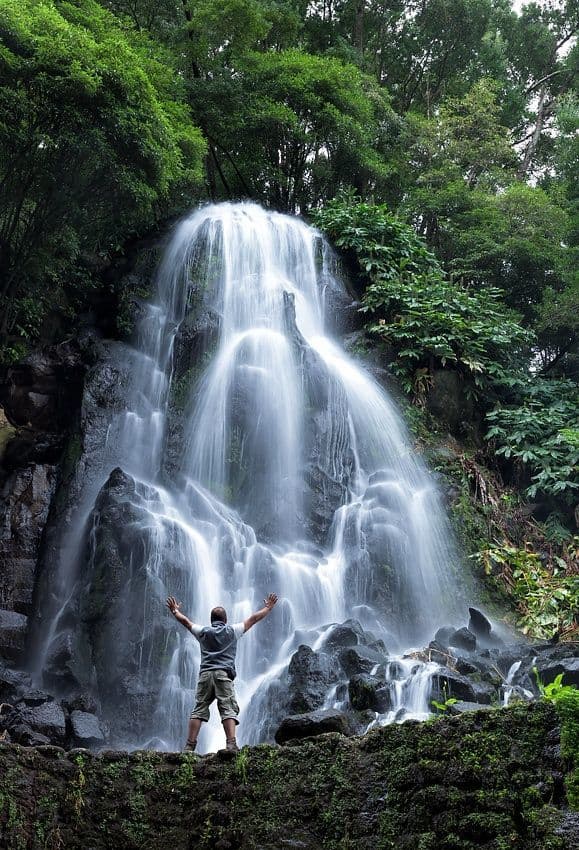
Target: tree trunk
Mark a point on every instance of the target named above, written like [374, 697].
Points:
[536, 135]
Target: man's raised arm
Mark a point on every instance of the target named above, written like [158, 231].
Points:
[173, 607]
[268, 605]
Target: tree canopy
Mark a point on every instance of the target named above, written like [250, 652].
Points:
[461, 116]
[95, 137]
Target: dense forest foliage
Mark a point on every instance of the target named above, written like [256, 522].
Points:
[435, 142]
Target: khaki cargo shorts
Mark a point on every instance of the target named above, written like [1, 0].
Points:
[215, 685]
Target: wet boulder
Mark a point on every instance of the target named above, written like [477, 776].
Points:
[47, 719]
[463, 639]
[349, 633]
[197, 334]
[444, 634]
[516, 693]
[465, 667]
[310, 676]
[12, 682]
[361, 659]
[83, 701]
[549, 668]
[62, 666]
[483, 665]
[447, 683]
[439, 653]
[369, 692]
[478, 624]
[86, 729]
[33, 696]
[325, 494]
[28, 447]
[461, 707]
[343, 313]
[21, 733]
[310, 724]
[484, 692]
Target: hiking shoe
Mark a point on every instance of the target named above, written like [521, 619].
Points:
[231, 745]
[190, 747]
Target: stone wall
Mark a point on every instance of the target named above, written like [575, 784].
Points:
[492, 780]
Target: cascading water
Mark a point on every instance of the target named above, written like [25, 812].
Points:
[295, 474]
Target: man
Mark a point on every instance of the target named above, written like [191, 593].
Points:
[217, 671]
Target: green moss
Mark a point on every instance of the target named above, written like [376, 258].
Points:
[185, 776]
[431, 786]
[567, 703]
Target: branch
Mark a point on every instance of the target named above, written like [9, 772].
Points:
[558, 357]
[544, 80]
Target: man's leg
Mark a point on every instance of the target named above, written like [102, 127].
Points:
[228, 708]
[203, 699]
[229, 726]
[193, 732]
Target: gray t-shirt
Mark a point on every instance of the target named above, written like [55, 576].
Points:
[218, 645]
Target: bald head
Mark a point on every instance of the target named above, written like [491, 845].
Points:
[218, 615]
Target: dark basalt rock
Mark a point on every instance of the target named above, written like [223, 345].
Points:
[349, 633]
[439, 653]
[478, 624]
[549, 668]
[86, 729]
[197, 333]
[61, 670]
[327, 451]
[444, 634]
[463, 639]
[47, 719]
[480, 780]
[41, 391]
[21, 733]
[33, 696]
[369, 692]
[84, 702]
[12, 682]
[13, 628]
[462, 706]
[314, 676]
[360, 659]
[446, 683]
[484, 692]
[106, 365]
[28, 447]
[25, 499]
[465, 667]
[310, 676]
[310, 724]
[549, 660]
[114, 579]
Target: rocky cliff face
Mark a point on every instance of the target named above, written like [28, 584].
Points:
[40, 397]
[491, 780]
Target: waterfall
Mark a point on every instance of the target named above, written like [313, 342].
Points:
[292, 472]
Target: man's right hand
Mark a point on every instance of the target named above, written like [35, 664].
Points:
[173, 605]
[268, 604]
